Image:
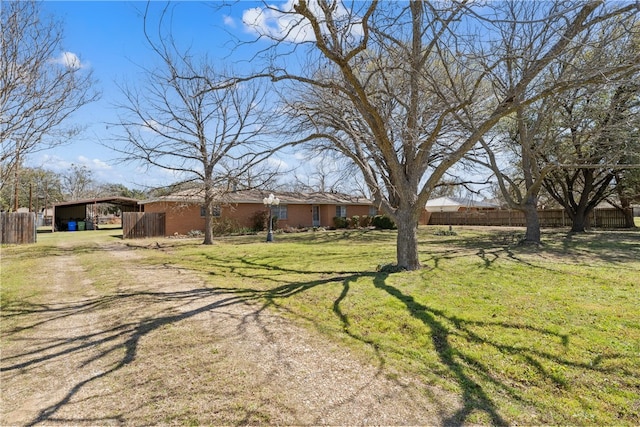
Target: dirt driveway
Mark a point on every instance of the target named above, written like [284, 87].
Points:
[164, 348]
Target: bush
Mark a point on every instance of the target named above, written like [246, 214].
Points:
[445, 233]
[365, 221]
[339, 222]
[390, 268]
[259, 220]
[355, 221]
[224, 226]
[383, 222]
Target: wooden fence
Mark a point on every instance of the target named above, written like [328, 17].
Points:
[18, 227]
[598, 218]
[136, 225]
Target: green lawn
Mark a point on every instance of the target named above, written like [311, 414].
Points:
[523, 335]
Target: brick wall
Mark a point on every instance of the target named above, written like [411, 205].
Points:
[297, 215]
[302, 215]
[182, 218]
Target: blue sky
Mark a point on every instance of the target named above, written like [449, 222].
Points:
[108, 38]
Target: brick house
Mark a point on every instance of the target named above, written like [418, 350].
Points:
[184, 210]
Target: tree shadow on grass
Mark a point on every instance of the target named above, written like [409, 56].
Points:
[124, 338]
[470, 374]
[613, 246]
[474, 398]
[120, 343]
[474, 377]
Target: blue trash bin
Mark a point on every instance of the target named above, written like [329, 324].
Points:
[72, 226]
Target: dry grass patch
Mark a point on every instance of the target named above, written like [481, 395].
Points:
[123, 335]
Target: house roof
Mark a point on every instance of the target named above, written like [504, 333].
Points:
[448, 203]
[257, 196]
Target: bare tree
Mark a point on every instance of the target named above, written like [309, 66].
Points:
[40, 86]
[597, 138]
[512, 154]
[78, 183]
[627, 192]
[214, 138]
[401, 90]
[323, 171]
[604, 56]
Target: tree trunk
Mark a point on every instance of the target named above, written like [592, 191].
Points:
[407, 243]
[579, 221]
[627, 210]
[532, 221]
[208, 215]
[208, 227]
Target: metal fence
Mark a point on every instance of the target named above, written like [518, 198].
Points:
[598, 218]
[18, 227]
[137, 225]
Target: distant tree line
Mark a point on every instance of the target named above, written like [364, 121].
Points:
[43, 188]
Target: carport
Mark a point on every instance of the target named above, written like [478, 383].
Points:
[84, 214]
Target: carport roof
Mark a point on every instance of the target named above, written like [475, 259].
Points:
[124, 201]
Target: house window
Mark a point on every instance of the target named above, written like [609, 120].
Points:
[279, 211]
[216, 211]
[373, 211]
[341, 211]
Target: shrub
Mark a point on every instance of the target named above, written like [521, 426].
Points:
[383, 222]
[224, 226]
[259, 220]
[445, 233]
[339, 222]
[365, 221]
[355, 221]
[390, 268]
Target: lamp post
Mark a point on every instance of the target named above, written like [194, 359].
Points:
[270, 202]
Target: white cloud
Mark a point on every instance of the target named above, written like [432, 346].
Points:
[301, 156]
[94, 164]
[229, 21]
[277, 23]
[51, 162]
[278, 164]
[69, 60]
[283, 24]
[153, 127]
[59, 164]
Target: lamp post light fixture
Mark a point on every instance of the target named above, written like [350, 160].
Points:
[270, 202]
